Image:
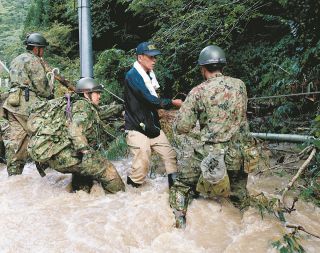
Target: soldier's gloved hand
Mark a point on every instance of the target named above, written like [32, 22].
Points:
[180, 219]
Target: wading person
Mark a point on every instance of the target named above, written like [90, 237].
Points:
[3, 96]
[219, 167]
[144, 133]
[67, 134]
[29, 84]
[2, 149]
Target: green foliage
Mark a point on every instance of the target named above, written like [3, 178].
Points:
[56, 21]
[311, 190]
[118, 148]
[110, 69]
[272, 45]
[289, 244]
[116, 26]
[59, 37]
[41, 17]
[43, 13]
[102, 20]
[185, 27]
[3, 74]
[12, 15]
[316, 126]
[60, 52]
[264, 205]
[3, 89]
[281, 116]
[38, 14]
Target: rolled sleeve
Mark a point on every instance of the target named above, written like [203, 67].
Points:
[187, 116]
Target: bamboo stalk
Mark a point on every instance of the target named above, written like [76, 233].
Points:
[301, 169]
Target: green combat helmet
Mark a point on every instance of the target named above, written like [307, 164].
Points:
[212, 55]
[88, 84]
[36, 40]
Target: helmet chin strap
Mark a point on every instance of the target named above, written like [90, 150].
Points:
[36, 51]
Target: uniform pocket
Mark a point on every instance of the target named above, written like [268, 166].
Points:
[14, 98]
[219, 189]
[251, 159]
[233, 158]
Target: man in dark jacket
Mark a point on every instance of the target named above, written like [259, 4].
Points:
[142, 119]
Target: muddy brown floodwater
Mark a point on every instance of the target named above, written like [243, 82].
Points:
[40, 215]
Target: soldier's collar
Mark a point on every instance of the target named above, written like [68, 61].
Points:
[215, 76]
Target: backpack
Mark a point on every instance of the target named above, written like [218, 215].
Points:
[48, 128]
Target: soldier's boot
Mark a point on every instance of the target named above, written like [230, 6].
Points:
[110, 179]
[172, 177]
[80, 182]
[180, 218]
[238, 184]
[2, 152]
[41, 167]
[133, 184]
[3, 160]
[15, 168]
[99, 168]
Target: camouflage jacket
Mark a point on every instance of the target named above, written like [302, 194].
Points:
[220, 105]
[26, 70]
[85, 129]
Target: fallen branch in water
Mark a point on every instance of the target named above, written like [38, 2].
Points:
[298, 227]
[296, 158]
[301, 169]
[282, 150]
[305, 150]
[276, 167]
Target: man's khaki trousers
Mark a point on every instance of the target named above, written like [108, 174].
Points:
[141, 147]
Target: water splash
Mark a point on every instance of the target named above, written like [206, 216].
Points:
[41, 215]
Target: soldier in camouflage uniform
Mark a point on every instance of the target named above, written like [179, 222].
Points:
[3, 122]
[83, 158]
[28, 85]
[217, 167]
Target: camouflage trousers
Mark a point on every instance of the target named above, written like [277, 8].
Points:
[190, 178]
[16, 141]
[92, 166]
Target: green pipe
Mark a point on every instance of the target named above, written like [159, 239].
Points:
[284, 137]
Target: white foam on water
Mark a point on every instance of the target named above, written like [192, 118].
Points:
[41, 215]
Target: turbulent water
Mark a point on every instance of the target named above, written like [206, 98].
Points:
[40, 215]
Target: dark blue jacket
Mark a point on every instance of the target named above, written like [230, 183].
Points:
[141, 106]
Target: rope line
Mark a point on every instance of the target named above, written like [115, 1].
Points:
[288, 95]
[50, 77]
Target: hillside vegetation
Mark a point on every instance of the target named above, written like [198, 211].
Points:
[273, 46]
[12, 16]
